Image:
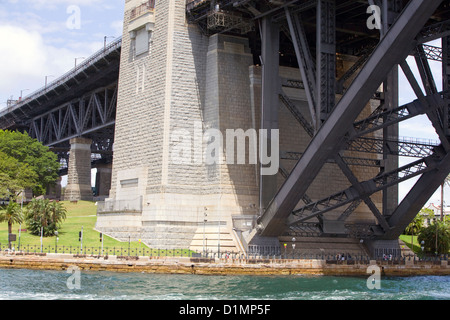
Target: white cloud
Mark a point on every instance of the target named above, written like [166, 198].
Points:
[26, 60]
[117, 26]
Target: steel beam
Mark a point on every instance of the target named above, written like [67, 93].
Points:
[393, 48]
[93, 111]
[270, 34]
[418, 196]
[446, 81]
[325, 59]
[362, 190]
[305, 61]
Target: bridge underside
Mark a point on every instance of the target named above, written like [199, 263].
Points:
[80, 103]
[313, 36]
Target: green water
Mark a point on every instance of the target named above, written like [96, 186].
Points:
[52, 285]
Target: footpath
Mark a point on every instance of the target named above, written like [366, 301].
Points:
[205, 266]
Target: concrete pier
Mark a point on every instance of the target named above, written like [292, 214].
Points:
[79, 174]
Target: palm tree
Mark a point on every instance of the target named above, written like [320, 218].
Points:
[41, 213]
[12, 214]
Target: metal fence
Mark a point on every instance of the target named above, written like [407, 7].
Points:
[330, 258]
[99, 251]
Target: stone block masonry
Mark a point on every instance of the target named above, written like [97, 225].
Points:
[79, 171]
[184, 79]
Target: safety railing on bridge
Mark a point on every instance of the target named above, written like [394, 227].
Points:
[68, 75]
[142, 9]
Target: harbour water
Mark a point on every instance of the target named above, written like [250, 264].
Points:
[53, 285]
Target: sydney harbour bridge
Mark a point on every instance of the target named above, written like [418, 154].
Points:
[311, 36]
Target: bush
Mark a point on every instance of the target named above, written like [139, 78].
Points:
[42, 213]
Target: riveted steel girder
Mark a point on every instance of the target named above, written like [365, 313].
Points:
[393, 48]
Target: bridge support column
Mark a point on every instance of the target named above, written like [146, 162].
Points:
[79, 171]
[103, 180]
[270, 100]
[54, 191]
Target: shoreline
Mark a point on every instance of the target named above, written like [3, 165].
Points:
[202, 266]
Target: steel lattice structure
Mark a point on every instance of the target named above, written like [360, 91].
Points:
[336, 127]
[309, 35]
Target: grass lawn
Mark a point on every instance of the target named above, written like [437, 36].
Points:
[79, 214]
[414, 245]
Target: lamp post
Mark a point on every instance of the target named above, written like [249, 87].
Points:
[293, 247]
[204, 224]
[42, 235]
[46, 80]
[56, 241]
[104, 41]
[21, 213]
[76, 59]
[21, 93]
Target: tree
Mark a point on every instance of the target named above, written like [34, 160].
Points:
[436, 233]
[46, 214]
[14, 177]
[12, 214]
[32, 154]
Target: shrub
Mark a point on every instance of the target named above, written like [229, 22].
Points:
[42, 213]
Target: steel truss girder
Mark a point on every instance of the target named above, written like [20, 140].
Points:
[91, 112]
[415, 149]
[297, 114]
[417, 197]
[384, 118]
[368, 187]
[393, 48]
[350, 161]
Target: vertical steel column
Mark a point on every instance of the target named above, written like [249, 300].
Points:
[325, 59]
[446, 80]
[390, 10]
[270, 57]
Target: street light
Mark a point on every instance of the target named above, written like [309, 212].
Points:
[104, 41]
[46, 80]
[204, 224]
[78, 59]
[21, 93]
[56, 242]
[293, 247]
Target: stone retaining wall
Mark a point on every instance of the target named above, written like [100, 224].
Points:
[185, 265]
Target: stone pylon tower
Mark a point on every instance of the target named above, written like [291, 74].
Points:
[183, 97]
[175, 85]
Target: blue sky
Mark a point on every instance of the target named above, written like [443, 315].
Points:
[39, 40]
